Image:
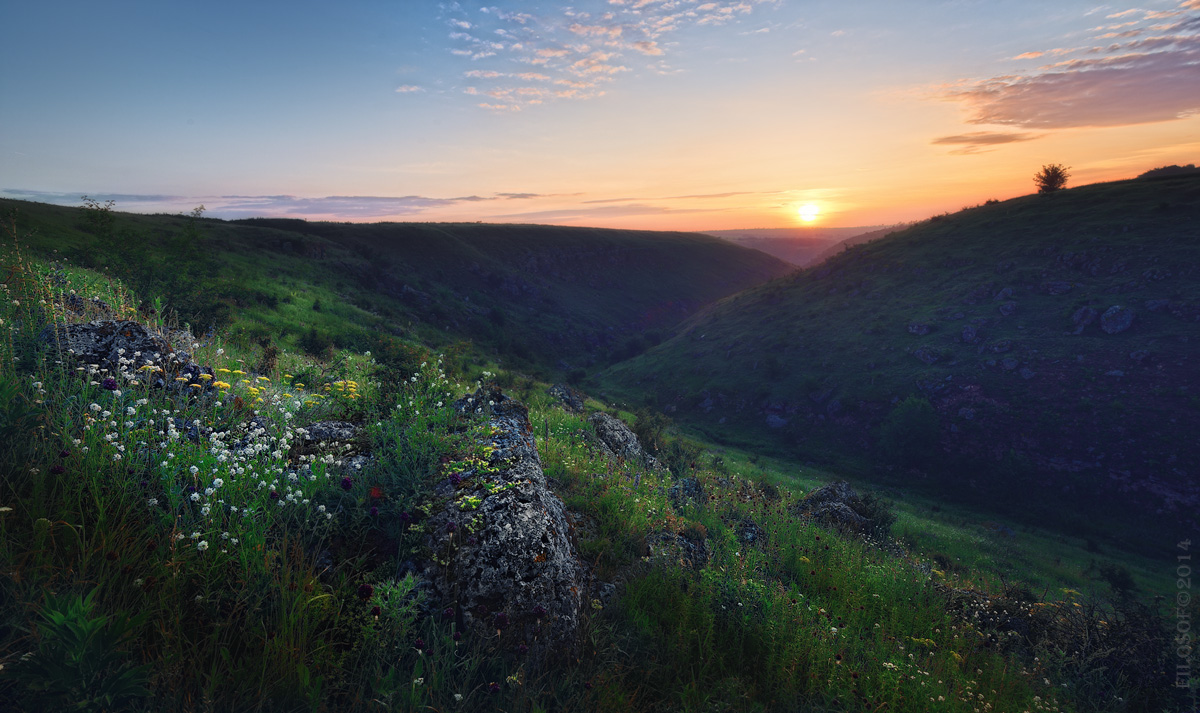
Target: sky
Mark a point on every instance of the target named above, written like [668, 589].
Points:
[648, 114]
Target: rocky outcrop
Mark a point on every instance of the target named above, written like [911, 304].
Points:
[617, 441]
[571, 398]
[122, 347]
[687, 491]
[502, 562]
[838, 506]
[1116, 319]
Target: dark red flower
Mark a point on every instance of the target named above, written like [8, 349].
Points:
[374, 511]
[376, 492]
[58, 469]
[347, 483]
[365, 591]
[493, 687]
[109, 383]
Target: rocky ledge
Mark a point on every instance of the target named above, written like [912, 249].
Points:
[501, 560]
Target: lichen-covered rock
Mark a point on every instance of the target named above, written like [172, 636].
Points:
[122, 347]
[1083, 317]
[571, 398]
[501, 558]
[840, 507]
[617, 441]
[671, 549]
[686, 491]
[1116, 319]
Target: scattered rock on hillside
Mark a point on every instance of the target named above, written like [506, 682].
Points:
[669, 548]
[502, 561]
[926, 355]
[571, 398]
[840, 507]
[686, 491]
[1083, 317]
[329, 431]
[1057, 287]
[1008, 309]
[918, 329]
[774, 420]
[618, 441]
[1116, 319]
[122, 346]
[970, 334]
[830, 506]
[748, 532]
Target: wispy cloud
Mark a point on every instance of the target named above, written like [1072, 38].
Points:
[276, 206]
[1147, 78]
[409, 88]
[979, 141]
[611, 211]
[581, 49]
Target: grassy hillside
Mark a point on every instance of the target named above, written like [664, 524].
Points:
[174, 545]
[577, 297]
[995, 318]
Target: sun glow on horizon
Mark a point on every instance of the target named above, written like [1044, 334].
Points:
[809, 212]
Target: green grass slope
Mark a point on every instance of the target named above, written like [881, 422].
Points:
[177, 545]
[984, 314]
[541, 296]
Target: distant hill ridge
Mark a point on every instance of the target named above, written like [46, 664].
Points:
[542, 296]
[1054, 336]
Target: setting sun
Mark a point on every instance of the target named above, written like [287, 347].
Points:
[808, 212]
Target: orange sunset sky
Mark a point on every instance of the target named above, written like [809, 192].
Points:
[659, 114]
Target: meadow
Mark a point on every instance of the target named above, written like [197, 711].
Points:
[170, 540]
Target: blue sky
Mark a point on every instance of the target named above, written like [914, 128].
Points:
[672, 114]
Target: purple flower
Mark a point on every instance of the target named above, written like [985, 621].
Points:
[374, 511]
[274, 495]
[58, 469]
[455, 479]
[448, 613]
[493, 687]
[64, 454]
[501, 620]
[457, 636]
[376, 611]
[522, 649]
[365, 591]
[539, 611]
[451, 527]
[109, 383]
[347, 483]
[405, 517]
[420, 643]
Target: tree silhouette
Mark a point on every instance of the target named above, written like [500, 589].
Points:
[1051, 178]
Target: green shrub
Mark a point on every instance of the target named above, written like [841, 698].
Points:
[909, 434]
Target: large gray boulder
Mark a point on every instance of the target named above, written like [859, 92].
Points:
[838, 506]
[501, 559]
[618, 441]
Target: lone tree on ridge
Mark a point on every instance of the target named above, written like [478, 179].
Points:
[1051, 178]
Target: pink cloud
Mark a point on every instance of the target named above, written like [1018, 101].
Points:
[1135, 82]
